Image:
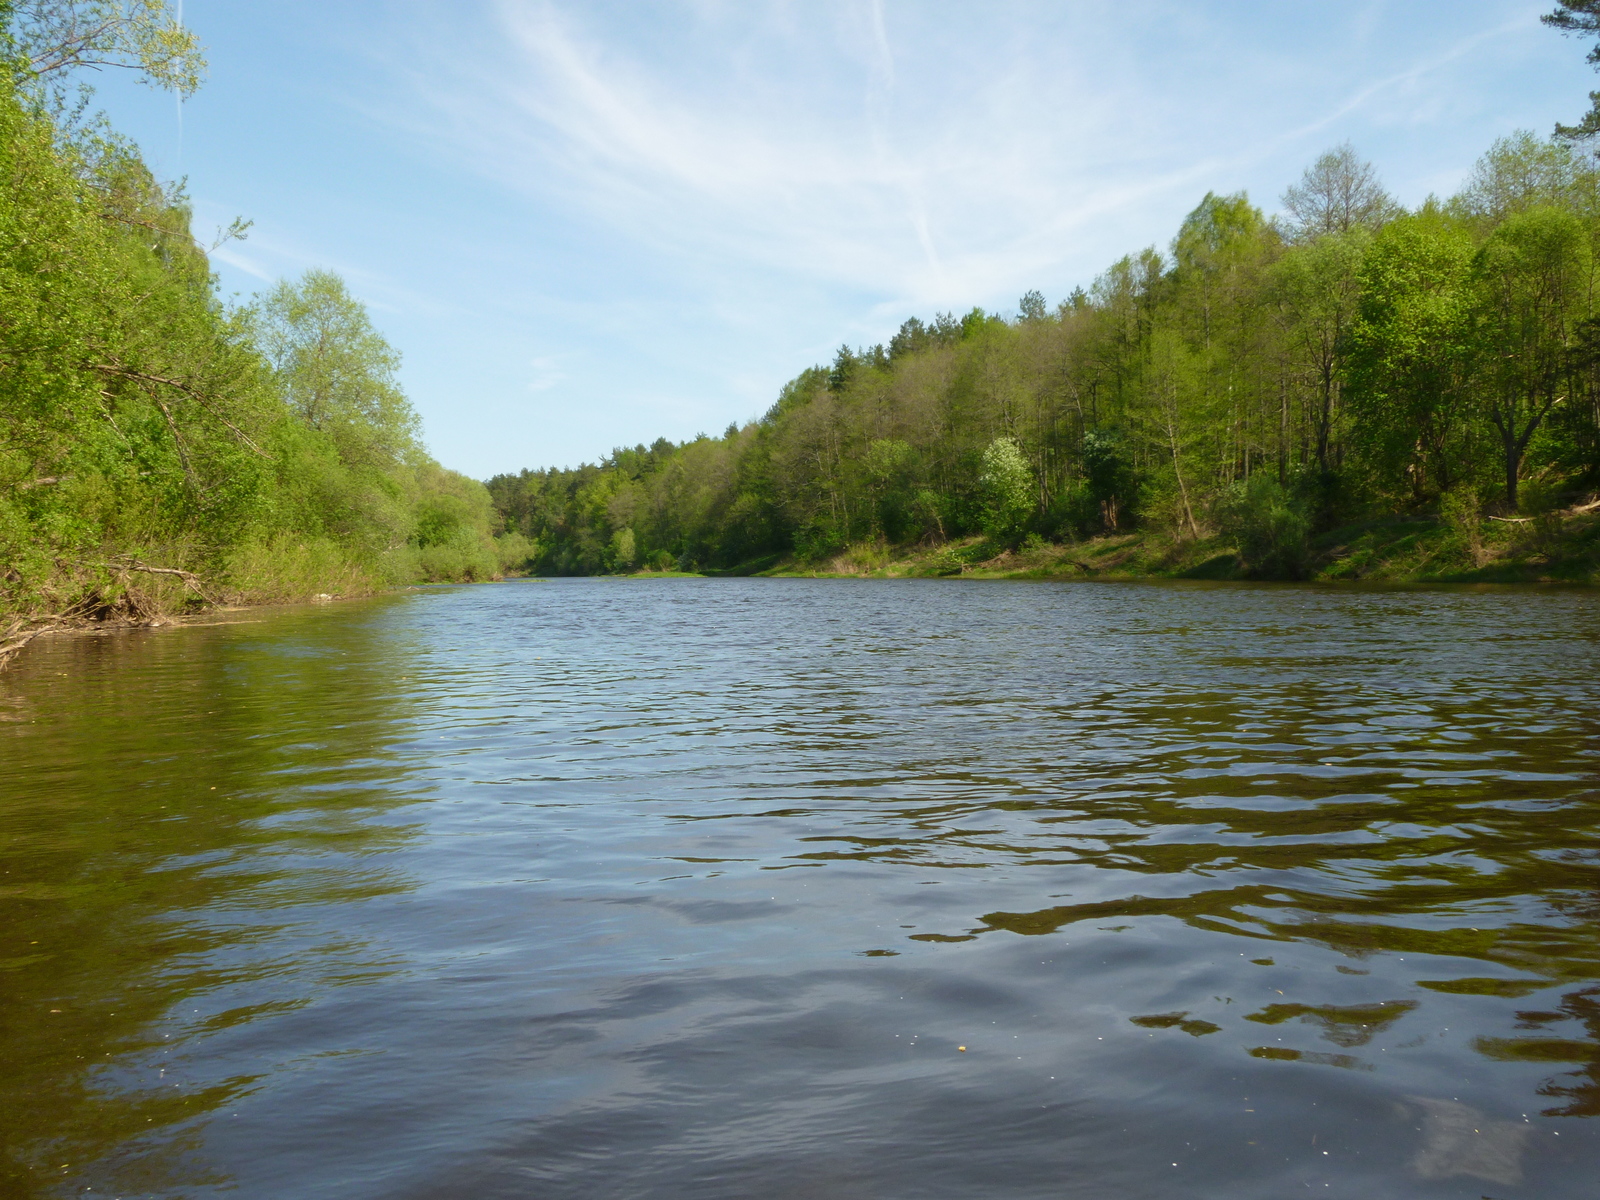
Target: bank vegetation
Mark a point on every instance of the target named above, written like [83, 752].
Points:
[160, 448]
[1346, 388]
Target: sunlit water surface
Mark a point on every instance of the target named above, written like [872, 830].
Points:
[697, 888]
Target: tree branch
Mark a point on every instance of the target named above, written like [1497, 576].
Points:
[121, 372]
[127, 562]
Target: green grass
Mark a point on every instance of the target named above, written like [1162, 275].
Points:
[1553, 548]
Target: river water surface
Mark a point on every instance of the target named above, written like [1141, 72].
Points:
[809, 888]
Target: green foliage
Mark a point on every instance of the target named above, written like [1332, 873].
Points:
[1461, 513]
[1007, 486]
[1109, 481]
[624, 549]
[1410, 359]
[1579, 18]
[1269, 526]
[335, 370]
[1346, 362]
[269, 449]
[1535, 280]
[144, 35]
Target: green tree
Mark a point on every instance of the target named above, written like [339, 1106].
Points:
[1411, 355]
[1269, 527]
[1032, 307]
[143, 35]
[1316, 291]
[1579, 18]
[136, 417]
[624, 549]
[336, 370]
[1007, 485]
[1522, 171]
[1108, 476]
[1535, 284]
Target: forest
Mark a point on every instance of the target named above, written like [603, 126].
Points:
[1261, 380]
[1247, 394]
[161, 447]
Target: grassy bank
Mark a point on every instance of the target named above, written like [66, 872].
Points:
[1560, 547]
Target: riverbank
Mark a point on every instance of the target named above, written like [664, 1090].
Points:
[137, 608]
[1554, 548]
[125, 592]
[1560, 547]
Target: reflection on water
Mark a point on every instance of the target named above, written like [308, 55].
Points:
[176, 816]
[627, 888]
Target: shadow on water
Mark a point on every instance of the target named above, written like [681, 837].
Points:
[178, 809]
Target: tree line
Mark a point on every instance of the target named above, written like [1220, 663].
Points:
[1262, 378]
[152, 433]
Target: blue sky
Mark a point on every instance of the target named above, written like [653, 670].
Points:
[587, 225]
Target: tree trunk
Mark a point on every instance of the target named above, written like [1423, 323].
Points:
[1183, 490]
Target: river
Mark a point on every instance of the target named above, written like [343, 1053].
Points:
[669, 888]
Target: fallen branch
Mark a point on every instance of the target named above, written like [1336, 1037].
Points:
[177, 441]
[18, 634]
[126, 562]
[94, 609]
[1513, 520]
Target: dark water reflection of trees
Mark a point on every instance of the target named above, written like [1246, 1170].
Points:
[1486, 859]
[153, 859]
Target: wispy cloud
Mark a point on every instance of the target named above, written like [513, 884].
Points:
[870, 149]
[643, 218]
[545, 373]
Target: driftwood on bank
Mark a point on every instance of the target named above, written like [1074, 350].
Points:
[19, 633]
[130, 607]
[123, 564]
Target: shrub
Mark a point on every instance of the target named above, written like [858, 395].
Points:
[817, 539]
[515, 552]
[1460, 513]
[1109, 483]
[624, 550]
[1269, 527]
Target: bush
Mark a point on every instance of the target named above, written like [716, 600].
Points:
[817, 540]
[515, 552]
[1269, 527]
[465, 558]
[624, 550]
[1109, 482]
[287, 568]
[1460, 513]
